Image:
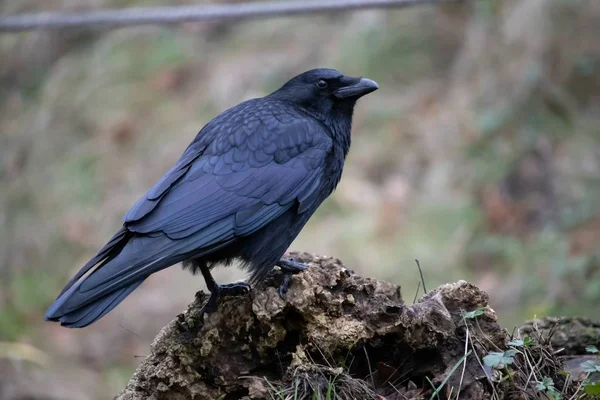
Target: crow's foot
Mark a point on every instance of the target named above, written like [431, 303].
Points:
[289, 268]
[217, 291]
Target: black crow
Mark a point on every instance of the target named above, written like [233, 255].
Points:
[242, 190]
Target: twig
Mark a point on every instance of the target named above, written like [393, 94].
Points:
[115, 18]
[421, 273]
[397, 391]
[532, 369]
[433, 386]
[462, 375]
[579, 387]
[128, 330]
[417, 292]
[369, 365]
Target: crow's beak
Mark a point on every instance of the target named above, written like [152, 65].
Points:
[357, 89]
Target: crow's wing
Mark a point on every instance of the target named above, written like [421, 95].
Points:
[225, 185]
[236, 183]
[242, 171]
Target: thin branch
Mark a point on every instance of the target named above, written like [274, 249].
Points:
[421, 273]
[417, 292]
[369, 364]
[462, 375]
[115, 18]
[579, 387]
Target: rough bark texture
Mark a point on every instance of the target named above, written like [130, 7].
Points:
[334, 328]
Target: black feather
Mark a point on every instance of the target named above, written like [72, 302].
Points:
[243, 189]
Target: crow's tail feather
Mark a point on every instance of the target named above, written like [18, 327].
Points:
[116, 271]
[92, 312]
[109, 251]
[118, 268]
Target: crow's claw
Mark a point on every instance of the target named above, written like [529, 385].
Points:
[289, 268]
[218, 291]
[234, 289]
[285, 285]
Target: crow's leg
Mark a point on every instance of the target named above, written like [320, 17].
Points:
[289, 268]
[216, 290]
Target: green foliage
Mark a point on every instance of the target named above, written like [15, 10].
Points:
[591, 349]
[546, 385]
[330, 393]
[274, 392]
[590, 366]
[592, 388]
[473, 314]
[526, 341]
[499, 360]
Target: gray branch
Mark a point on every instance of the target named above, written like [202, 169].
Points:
[116, 18]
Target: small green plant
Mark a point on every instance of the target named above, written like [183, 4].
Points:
[275, 393]
[473, 314]
[591, 349]
[499, 360]
[546, 386]
[530, 365]
[591, 388]
[525, 342]
[590, 366]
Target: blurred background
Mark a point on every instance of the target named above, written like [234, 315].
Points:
[479, 155]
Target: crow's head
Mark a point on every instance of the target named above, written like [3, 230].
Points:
[324, 91]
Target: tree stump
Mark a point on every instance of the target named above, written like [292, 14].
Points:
[335, 332]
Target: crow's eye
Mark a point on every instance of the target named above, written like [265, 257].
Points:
[321, 84]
